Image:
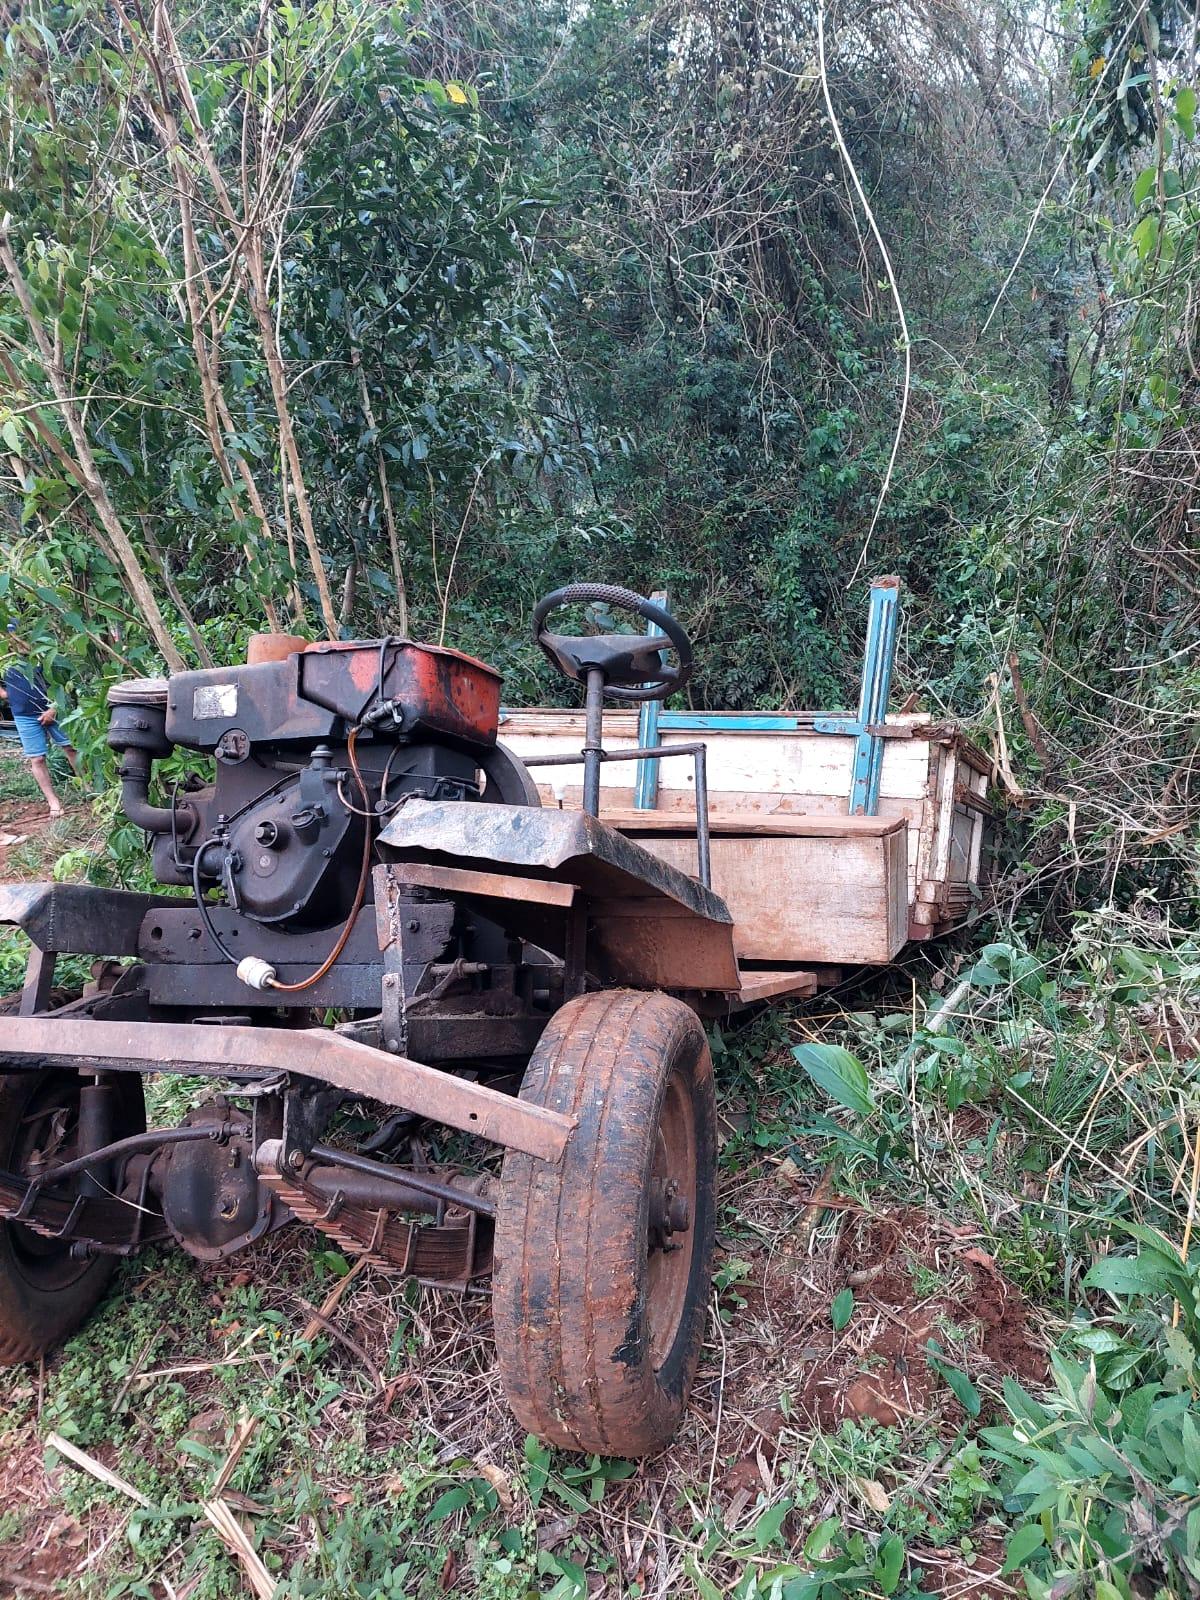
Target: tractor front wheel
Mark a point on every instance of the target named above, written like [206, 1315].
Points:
[601, 1279]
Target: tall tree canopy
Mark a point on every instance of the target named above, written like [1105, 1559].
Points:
[338, 319]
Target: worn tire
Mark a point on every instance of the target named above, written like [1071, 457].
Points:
[44, 1294]
[597, 1333]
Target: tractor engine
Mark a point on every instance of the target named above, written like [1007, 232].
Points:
[310, 744]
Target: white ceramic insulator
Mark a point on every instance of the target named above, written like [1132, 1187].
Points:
[256, 973]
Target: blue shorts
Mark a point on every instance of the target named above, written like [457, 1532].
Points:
[33, 736]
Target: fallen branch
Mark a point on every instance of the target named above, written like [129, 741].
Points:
[217, 1512]
[86, 1463]
[315, 1325]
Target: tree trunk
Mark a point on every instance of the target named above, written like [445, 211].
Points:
[84, 464]
[385, 494]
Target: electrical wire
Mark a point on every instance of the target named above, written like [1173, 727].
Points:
[202, 907]
[356, 907]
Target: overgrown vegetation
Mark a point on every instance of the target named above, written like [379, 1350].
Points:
[343, 320]
[952, 1345]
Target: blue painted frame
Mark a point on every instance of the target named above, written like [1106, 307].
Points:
[878, 660]
[645, 789]
[879, 656]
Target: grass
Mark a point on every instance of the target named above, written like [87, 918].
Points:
[17, 786]
[827, 1443]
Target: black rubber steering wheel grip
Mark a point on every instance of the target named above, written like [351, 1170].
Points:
[558, 651]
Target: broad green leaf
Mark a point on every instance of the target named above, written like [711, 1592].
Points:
[1148, 1273]
[842, 1075]
[842, 1309]
[766, 1529]
[1143, 185]
[961, 1386]
[1099, 1341]
[449, 1502]
[889, 1563]
[984, 976]
[706, 1588]
[821, 1537]
[1145, 236]
[1021, 1546]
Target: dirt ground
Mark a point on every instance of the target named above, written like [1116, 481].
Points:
[20, 821]
[774, 1374]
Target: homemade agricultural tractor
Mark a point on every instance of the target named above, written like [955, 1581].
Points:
[373, 908]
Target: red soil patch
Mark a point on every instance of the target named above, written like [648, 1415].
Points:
[947, 1573]
[913, 1281]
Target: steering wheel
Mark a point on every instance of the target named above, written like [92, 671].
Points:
[631, 664]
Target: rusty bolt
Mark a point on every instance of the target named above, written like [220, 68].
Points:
[296, 1160]
[414, 926]
[679, 1213]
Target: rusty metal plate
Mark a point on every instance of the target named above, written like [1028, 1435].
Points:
[76, 918]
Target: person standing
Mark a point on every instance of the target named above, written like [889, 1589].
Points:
[36, 716]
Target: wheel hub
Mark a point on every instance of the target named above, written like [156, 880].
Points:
[670, 1213]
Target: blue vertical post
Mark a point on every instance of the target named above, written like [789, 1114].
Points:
[645, 792]
[878, 661]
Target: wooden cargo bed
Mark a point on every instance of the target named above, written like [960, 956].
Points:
[808, 884]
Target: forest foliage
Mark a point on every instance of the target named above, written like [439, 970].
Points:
[346, 320]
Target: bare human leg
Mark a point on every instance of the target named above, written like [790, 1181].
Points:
[41, 776]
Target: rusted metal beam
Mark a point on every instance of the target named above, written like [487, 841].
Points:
[313, 1052]
[78, 918]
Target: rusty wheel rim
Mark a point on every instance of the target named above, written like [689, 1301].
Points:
[670, 1242]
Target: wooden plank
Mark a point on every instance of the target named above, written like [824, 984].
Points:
[793, 764]
[782, 824]
[895, 853]
[796, 900]
[489, 885]
[794, 983]
[560, 719]
[777, 770]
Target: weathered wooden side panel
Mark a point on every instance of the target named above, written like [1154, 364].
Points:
[824, 898]
[796, 779]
